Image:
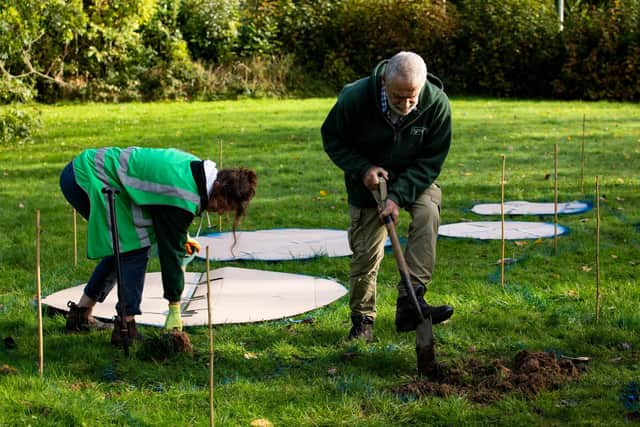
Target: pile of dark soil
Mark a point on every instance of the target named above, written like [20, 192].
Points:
[163, 346]
[529, 373]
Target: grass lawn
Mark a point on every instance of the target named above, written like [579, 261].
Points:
[294, 373]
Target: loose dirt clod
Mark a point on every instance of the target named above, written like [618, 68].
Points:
[164, 346]
[528, 374]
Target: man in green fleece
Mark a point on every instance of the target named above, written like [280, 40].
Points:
[396, 123]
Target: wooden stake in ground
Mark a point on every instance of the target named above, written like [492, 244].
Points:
[220, 167]
[502, 222]
[75, 239]
[211, 412]
[582, 157]
[555, 199]
[39, 294]
[597, 249]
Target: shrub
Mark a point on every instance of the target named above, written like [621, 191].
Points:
[602, 53]
[259, 30]
[508, 47]
[346, 39]
[17, 126]
[210, 27]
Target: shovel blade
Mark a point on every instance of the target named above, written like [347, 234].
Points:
[425, 349]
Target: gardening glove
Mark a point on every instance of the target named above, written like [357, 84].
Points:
[174, 320]
[192, 246]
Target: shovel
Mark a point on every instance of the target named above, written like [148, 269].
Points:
[425, 345]
[124, 333]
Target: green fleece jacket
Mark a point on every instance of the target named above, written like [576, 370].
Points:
[357, 135]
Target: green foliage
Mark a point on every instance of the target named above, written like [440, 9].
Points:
[367, 31]
[14, 90]
[210, 27]
[258, 29]
[119, 50]
[36, 38]
[602, 53]
[17, 126]
[166, 66]
[345, 39]
[508, 47]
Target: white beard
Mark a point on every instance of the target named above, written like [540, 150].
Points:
[397, 112]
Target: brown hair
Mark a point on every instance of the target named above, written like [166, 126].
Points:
[237, 186]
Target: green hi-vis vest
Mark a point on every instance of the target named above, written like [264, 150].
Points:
[143, 176]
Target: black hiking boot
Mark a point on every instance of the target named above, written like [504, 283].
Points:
[407, 318]
[79, 319]
[362, 328]
[132, 333]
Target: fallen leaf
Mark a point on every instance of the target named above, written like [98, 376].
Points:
[584, 268]
[249, 355]
[572, 293]
[6, 370]
[261, 422]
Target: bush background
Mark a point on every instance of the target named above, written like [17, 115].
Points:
[124, 50]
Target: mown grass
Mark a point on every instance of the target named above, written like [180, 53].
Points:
[547, 303]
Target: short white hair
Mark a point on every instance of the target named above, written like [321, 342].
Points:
[406, 65]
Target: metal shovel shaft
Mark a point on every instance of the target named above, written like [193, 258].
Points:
[116, 252]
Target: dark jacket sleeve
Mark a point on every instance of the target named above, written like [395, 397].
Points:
[171, 225]
[336, 144]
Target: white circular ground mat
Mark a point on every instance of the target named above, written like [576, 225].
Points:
[521, 207]
[492, 230]
[238, 295]
[276, 244]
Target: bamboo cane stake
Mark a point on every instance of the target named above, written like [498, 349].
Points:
[75, 238]
[220, 167]
[582, 156]
[502, 223]
[597, 249]
[555, 199]
[39, 294]
[211, 411]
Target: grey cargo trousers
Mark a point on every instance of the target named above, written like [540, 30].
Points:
[367, 236]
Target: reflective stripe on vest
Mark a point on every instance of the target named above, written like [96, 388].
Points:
[151, 187]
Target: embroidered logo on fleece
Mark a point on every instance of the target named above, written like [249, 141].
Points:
[418, 131]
